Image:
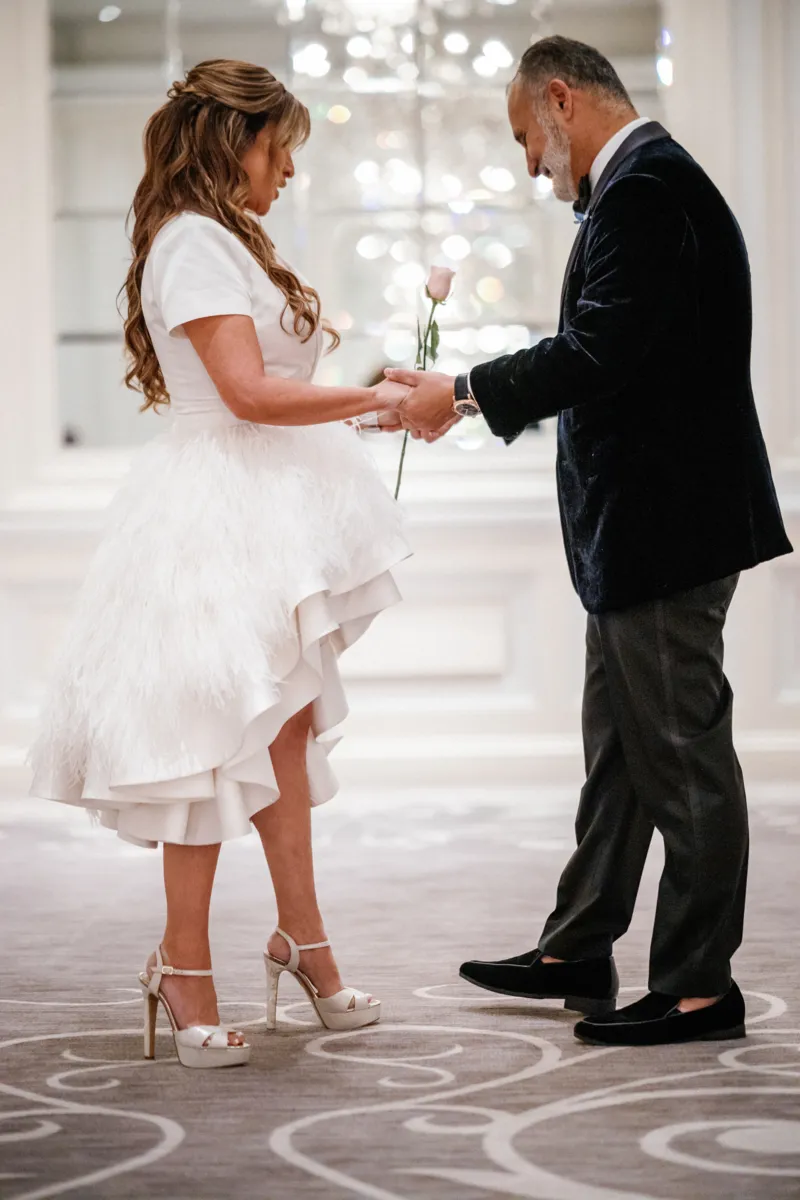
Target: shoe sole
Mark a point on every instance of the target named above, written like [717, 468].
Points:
[581, 1004]
[722, 1035]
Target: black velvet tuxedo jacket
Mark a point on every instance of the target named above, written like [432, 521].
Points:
[663, 477]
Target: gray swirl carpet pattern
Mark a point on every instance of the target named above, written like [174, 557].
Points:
[456, 1095]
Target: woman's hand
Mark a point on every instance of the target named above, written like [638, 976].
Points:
[377, 422]
[389, 421]
[389, 397]
[388, 401]
[390, 418]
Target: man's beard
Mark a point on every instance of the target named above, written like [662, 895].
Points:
[557, 159]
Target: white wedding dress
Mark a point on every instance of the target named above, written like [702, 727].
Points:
[238, 562]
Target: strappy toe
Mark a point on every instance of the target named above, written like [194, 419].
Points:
[201, 1047]
[347, 1009]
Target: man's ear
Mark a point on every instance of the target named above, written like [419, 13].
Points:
[560, 97]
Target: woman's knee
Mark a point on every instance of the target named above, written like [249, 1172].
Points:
[296, 729]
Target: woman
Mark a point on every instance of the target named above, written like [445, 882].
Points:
[250, 545]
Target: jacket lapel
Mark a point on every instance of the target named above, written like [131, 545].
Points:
[573, 258]
[651, 132]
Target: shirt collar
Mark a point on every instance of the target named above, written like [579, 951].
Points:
[611, 147]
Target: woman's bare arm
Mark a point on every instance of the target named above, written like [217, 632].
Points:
[229, 350]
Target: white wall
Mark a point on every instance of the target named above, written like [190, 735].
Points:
[735, 104]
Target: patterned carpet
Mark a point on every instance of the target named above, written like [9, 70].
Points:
[457, 1094]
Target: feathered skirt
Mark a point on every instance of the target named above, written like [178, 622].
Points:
[238, 562]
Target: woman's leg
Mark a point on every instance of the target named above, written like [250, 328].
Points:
[188, 880]
[285, 831]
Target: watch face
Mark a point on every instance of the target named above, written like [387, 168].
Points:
[467, 408]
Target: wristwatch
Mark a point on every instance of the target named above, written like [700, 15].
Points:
[464, 403]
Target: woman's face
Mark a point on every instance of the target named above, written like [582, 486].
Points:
[269, 167]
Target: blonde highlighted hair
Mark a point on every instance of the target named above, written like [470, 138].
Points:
[193, 147]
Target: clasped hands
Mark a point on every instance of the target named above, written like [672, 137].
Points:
[418, 401]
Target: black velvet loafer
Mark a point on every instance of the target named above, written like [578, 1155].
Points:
[588, 986]
[656, 1020]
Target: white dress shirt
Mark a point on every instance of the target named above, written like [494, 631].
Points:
[611, 147]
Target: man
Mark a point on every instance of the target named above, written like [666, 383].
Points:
[666, 495]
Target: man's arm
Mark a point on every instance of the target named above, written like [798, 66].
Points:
[634, 245]
[632, 255]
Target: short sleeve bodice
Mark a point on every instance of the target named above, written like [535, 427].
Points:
[198, 268]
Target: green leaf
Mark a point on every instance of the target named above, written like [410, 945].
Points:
[434, 341]
[420, 346]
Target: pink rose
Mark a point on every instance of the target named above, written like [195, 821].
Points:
[440, 283]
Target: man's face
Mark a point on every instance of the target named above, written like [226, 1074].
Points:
[545, 141]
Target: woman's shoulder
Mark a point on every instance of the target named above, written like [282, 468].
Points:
[192, 228]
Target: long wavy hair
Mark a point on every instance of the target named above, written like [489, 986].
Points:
[193, 148]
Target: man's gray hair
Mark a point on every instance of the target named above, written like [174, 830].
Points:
[578, 65]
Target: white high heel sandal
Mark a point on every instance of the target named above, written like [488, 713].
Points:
[200, 1046]
[347, 1009]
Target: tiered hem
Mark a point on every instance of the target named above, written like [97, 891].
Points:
[224, 774]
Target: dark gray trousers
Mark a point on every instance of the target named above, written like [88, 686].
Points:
[659, 754]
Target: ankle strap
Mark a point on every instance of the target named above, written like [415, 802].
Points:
[294, 949]
[167, 970]
[161, 968]
[311, 945]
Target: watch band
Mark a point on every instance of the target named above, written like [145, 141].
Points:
[461, 389]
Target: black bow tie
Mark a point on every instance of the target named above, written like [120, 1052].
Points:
[584, 196]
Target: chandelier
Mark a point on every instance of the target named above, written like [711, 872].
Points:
[390, 12]
[351, 14]
[342, 15]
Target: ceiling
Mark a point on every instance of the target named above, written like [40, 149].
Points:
[237, 10]
[625, 30]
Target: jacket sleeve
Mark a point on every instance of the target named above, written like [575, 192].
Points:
[634, 245]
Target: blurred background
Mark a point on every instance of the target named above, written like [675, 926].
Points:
[476, 680]
[410, 162]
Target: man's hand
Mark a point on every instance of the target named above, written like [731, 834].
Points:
[428, 406]
[418, 435]
[396, 422]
